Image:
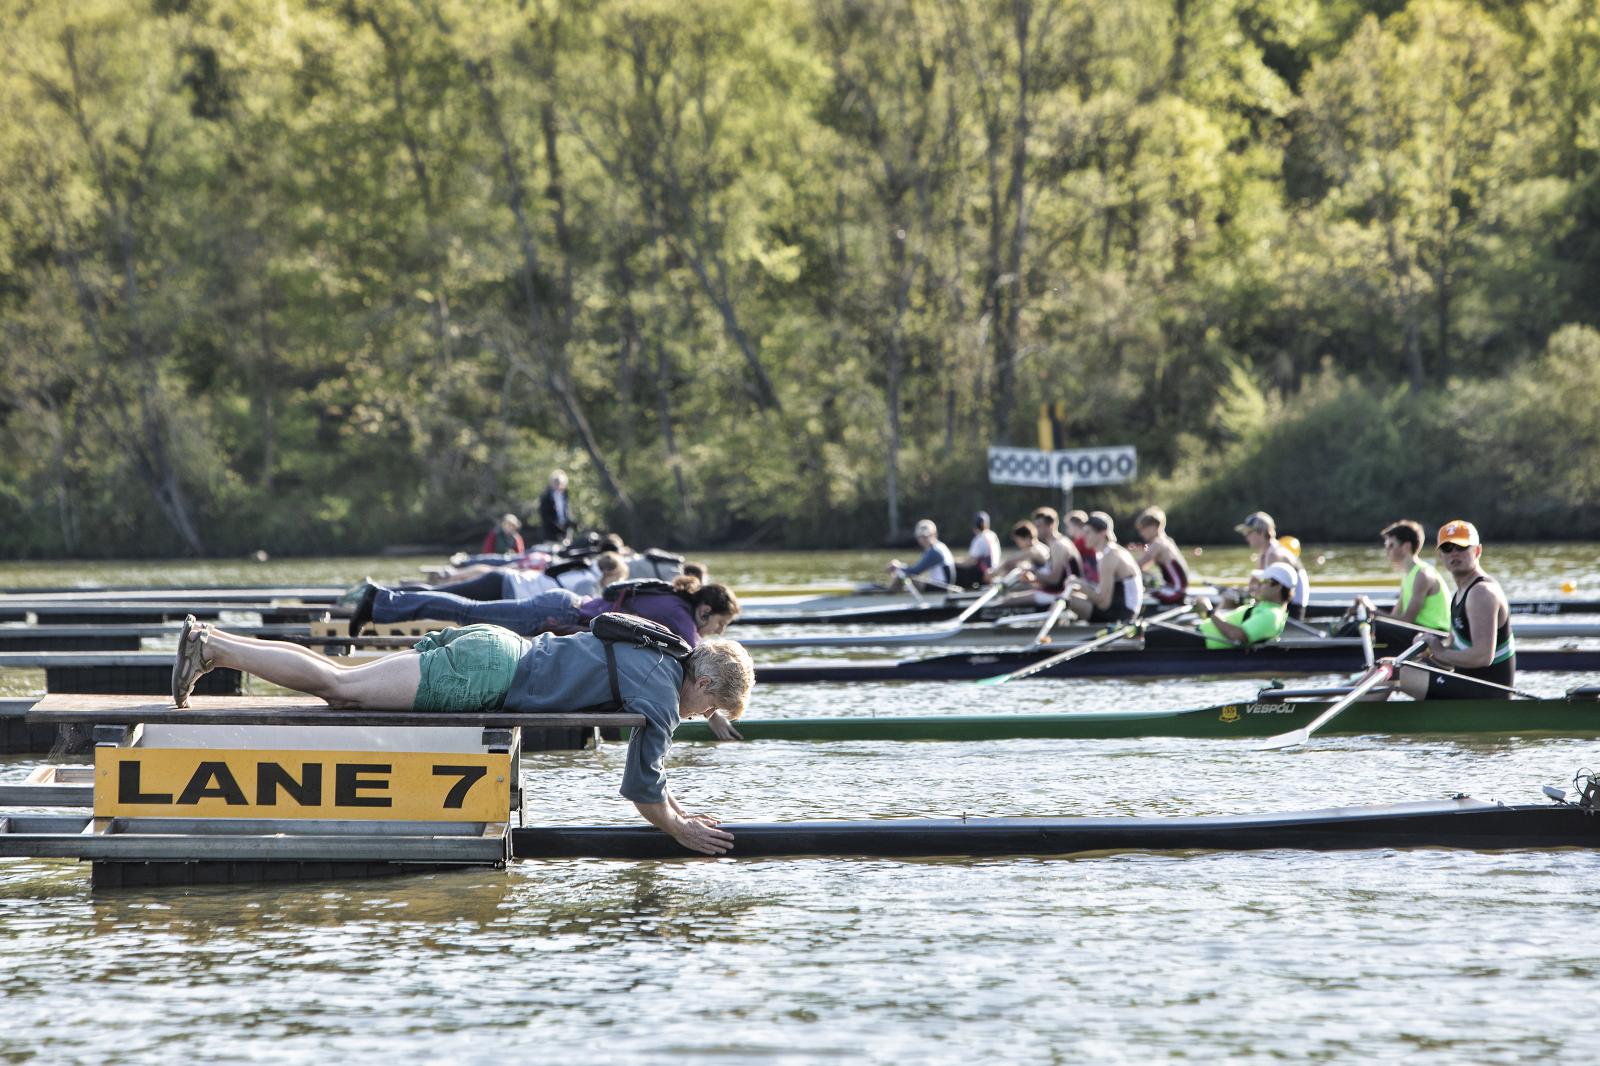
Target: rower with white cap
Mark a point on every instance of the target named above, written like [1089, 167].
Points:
[1263, 618]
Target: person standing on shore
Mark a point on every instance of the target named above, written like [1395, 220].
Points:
[505, 538]
[555, 510]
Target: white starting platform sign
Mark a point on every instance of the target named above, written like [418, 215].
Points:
[1071, 467]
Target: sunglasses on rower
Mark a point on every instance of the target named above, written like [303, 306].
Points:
[1451, 549]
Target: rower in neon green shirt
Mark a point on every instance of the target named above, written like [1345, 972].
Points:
[1254, 622]
[1423, 600]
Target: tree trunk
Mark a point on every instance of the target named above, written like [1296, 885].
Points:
[551, 372]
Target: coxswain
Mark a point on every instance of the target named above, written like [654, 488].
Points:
[1479, 644]
[1117, 594]
[1263, 617]
[1161, 552]
[1261, 533]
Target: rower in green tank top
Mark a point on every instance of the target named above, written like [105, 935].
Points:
[1423, 599]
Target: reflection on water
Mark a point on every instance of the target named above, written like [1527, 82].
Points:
[1464, 956]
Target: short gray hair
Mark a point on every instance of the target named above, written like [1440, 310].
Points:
[727, 666]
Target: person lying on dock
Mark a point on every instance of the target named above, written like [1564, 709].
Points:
[1161, 552]
[1261, 618]
[936, 566]
[505, 583]
[484, 668]
[686, 607]
[1479, 645]
[1117, 594]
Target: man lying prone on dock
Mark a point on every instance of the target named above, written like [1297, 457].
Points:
[485, 667]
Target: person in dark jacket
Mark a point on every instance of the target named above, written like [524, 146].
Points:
[555, 510]
[480, 667]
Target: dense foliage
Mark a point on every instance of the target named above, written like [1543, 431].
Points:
[316, 275]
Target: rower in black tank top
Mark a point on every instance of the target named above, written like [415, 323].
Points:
[1502, 670]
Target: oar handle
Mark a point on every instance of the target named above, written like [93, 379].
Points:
[1382, 671]
[982, 601]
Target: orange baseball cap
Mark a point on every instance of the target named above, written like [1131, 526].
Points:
[1459, 532]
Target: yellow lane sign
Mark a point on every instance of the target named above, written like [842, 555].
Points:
[359, 785]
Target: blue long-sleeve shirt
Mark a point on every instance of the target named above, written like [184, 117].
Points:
[569, 674]
[937, 555]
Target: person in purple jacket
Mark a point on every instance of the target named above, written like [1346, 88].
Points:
[687, 606]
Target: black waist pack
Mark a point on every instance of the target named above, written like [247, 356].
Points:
[614, 629]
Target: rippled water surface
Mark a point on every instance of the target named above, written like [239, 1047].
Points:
[1376, 955]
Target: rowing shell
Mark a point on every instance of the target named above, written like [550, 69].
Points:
[942, 610]
[1457, 823]
[1288, 657]
[1255, 718]
[1012, 636]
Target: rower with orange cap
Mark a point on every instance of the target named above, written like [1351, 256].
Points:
[1479, 644]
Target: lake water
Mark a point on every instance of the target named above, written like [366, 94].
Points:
[1363, 956]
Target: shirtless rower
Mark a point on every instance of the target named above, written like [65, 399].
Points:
[1050, 581]
[1118, 593]
[1479, 644]
[1261, 533]
[1077, 523]
[1161, 552]
[1030, 554]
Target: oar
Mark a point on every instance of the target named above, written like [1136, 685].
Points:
[910, 582]
[982, 601]
[1364, 627]
[1043, 636]
[1383, 671]
[1477, 681]
[1128, 629]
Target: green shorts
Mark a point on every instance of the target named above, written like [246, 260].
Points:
[467, 669]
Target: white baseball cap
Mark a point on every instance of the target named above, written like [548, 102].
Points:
[1282, 573]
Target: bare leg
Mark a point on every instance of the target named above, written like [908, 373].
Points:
[1414, 682]
[389, 683]
[1078, 605]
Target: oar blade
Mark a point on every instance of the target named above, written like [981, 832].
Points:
[1292, 739]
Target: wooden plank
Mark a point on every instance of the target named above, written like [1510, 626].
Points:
[97, 709]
